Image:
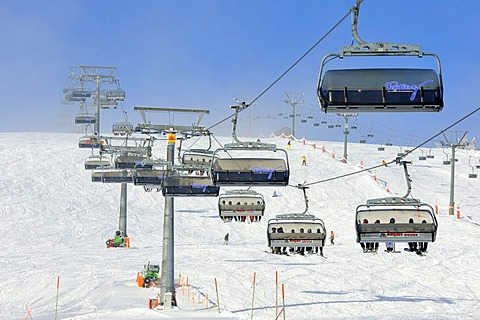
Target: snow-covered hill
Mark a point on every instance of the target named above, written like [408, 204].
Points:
[54, 222]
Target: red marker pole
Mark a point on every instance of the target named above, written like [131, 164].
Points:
[253, 293]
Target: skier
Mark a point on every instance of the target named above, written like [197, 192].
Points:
[118, 239]
[304, 160]
[225, 239]
[332, 237]
[289, 146]
[369, 245]
[412, 246]
[376, 244]
[423, 245]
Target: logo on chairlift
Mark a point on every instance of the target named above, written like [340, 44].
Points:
[395, 86]
[199, 185]
[265, 170]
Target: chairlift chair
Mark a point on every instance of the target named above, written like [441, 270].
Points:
[388, 219]
[296, 230]
[430, 155]
[122, 128]
[80, 93]
[85, 118]
[381, 148]
[96, 162]
[150, 178]
[238, 203]
[401, 210]
[132, 162]
[112, 176]
[316, 124]
[197, 157]
[90, 142]
[181, 185]
[303, 121]
[422, 157]
[473, 174]
[115, 94]
[249, 163]
[362, 141]
[330, 126]
[107, 104]
[379, 90]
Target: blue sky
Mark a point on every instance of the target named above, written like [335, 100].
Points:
[202, 54]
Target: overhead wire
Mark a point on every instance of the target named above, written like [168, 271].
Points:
[286, 71]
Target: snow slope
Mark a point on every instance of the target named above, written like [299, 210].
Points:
[54, 222]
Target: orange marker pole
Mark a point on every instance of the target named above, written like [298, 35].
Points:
[56, 299]
[283, 300]
[458, 212]
[276, 293]
[436, 208]
[206, 301]
[216, 289]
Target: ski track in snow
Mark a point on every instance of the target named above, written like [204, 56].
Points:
[55, 221]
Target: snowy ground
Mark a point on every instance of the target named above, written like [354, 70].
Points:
[54, 222]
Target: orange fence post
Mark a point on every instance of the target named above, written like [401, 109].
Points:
[436, 208]
[333, 155]
[458, 212]
[323, 148]
[314, 145]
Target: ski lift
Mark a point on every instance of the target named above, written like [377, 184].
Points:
[422, 157]
[80, 93]
[106, 104]
[446, 161]
[259, 164]
[112, 176]
[473, 174]
[323, 122]
[116, 94]
[330, 126]
[303, 121]
[381, 147]
[85, 118]
[198, 157]
[296, 230]
[430, 154]
[379, 90]
[122, 128]
[134, 161]
[90, 142]
[149, 178]
[362, 141]
[310, 117]
[96, 162]
[396, 219]
[240, 203]
[178, 184]
[388, 144]
[316, 124]
[400, 153]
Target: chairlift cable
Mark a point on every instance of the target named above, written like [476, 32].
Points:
[289, 69]
[396, 160]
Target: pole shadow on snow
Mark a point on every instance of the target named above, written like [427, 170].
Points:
[411, 299]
